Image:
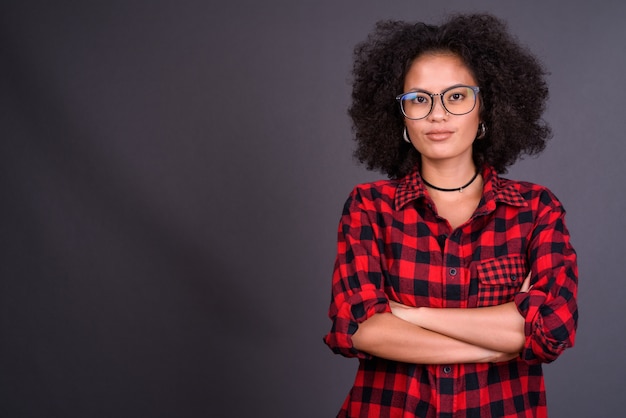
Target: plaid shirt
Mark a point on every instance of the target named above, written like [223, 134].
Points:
[393, 246]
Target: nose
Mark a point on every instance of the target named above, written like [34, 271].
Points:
[438, 111]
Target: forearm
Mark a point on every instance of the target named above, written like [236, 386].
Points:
[387, 336]
[499, 328]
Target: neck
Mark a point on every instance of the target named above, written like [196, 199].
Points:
[448, 176]
[452, 189]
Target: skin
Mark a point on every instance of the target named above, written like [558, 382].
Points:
[445, 335]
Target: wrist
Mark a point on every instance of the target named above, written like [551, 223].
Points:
[418, 316]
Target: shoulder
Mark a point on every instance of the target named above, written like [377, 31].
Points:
[373, 195]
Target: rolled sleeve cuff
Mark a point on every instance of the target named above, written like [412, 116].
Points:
[540, 346]
[351, 313]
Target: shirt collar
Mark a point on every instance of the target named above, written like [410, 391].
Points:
[410, 188]
[495, 190]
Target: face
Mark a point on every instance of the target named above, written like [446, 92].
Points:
[442, 136]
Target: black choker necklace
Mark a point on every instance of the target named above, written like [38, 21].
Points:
[456, 189]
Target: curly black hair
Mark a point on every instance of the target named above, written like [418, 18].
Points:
[513, 90]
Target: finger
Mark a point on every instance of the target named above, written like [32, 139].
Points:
[526, 284]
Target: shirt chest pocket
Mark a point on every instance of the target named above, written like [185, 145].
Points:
[499, 279]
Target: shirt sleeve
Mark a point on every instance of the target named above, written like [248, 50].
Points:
[550, 308]
[357, 284]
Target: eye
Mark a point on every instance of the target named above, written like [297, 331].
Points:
[417, 98]
[455, 96]
[458, 94]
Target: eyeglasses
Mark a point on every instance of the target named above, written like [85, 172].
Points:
[456, 100]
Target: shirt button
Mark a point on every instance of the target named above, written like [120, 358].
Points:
[447, 369]
[513, 277]
[452, 272]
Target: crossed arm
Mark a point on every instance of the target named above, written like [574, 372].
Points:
[444, 335]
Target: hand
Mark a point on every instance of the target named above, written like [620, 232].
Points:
[404, 312]
[526, 286]
[502, 357]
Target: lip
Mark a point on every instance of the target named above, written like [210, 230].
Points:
[439, 134]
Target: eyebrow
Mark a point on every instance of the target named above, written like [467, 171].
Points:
[418, 90]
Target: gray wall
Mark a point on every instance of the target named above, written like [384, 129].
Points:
[172, 175]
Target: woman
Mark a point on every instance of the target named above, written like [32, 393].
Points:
[452, 285]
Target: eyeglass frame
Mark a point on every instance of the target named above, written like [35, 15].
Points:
[475, 89]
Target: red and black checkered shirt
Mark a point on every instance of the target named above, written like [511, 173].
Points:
[393, 246]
